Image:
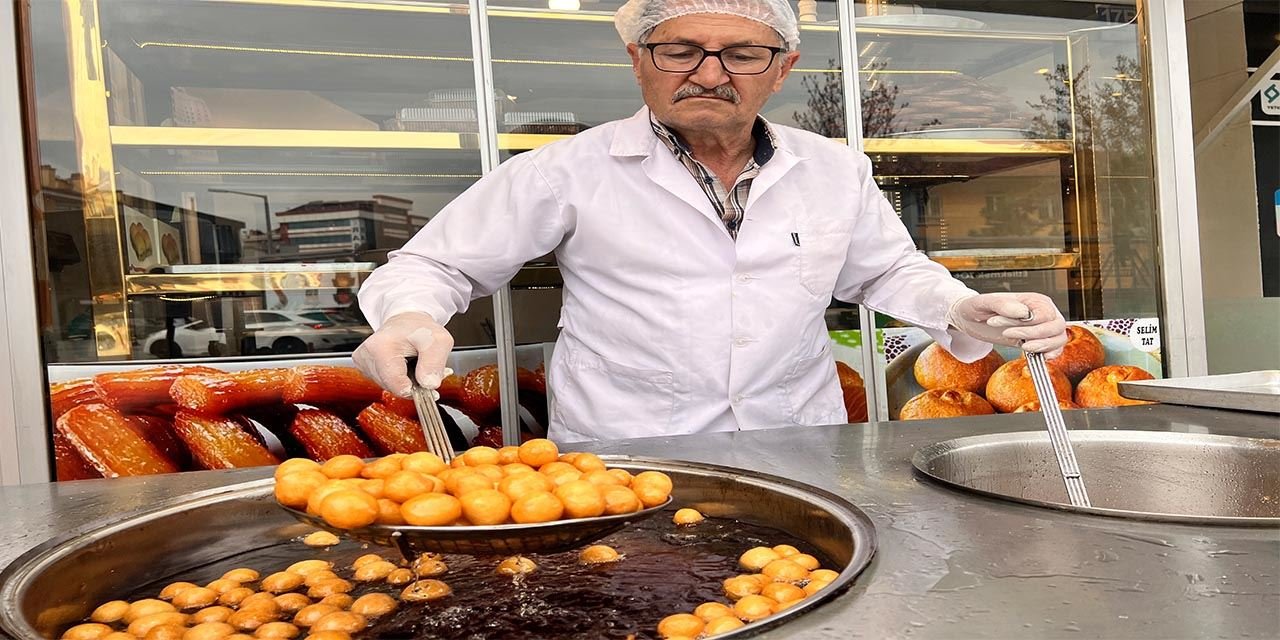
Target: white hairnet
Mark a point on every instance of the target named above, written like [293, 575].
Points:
[637, 17]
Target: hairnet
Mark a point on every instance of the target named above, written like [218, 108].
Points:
[637, 17]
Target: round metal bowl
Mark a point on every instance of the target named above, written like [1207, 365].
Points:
[1143, 475]
[55, 584]
[543, 537]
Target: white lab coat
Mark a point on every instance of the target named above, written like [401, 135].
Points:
[669, 326]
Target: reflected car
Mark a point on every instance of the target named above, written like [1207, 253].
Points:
[283, 332]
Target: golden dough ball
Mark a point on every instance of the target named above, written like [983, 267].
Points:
[522, 484]
[516, 468]
[349, 509]
[321, 492]
[516, 566]
[681, 624]
[823, 574]
[569, 456]
[262, 600]
[564, 476]
[344, 621]
[306, 567]
[146, 623]
[541, 506]
[619, 500]
[687, 516]
[166, 632]
[374, 571]
[461, 483]
[87, 631]
[195, 598]
[400, 577]
[602, 478]
[174, 589]
[147, 607]
[342, 467]
[251, 619]
[814, 586]
[119, 635]
[293, 465]
[239, 636]
[581, 499]
[652, 487]
[292, 602]
[739, 587]
[282, 581]
[478, 455]
[278, 631]
[223, 585]
[787, 605]
[329, 587]
[588, 462]
[308, 615]
[402, 486]
[425, 591]
[375, 487]
[429, 566]
[329, 635]
[753, 607]
[340, 600]
[389, 513]
[458, 463]
[537, 452]
[805, 560]
[783, 570]
[755, 558]
[622, 475]
[782, 592]
[785, 550]
[320, 539]
[381, 468]
[209, 631]
[599, 554]
[493, 471]
[211, 614]
[294, 489]
[241, 575]
[109, 612]
[509, 454]
[234, 597]
[373, 605]
[723, 624]
[366, 559]
[709, 611]
[557, 466]
[431, 510]
[486, 507]
[424, 462]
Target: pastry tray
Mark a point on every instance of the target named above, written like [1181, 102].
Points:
[1248, 391]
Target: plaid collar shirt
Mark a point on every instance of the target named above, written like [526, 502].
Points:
[729, 203]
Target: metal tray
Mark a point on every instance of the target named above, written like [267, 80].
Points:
[1248, 391]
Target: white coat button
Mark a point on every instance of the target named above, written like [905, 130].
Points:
[741, 342]
[737, 400]
[744, 278]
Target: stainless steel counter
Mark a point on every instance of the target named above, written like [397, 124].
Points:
[950, 565]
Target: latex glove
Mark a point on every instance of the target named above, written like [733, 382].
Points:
[1029, 321]
[382, 357]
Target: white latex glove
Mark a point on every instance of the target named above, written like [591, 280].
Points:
[1029, 321]
[382, 357]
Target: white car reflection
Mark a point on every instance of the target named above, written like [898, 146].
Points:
[284, 332]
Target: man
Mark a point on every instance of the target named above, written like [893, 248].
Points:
[699, 245]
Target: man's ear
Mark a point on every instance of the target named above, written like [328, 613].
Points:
[788, 62]
[635, 52]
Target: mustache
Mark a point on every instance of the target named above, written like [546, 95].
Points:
[724, 92]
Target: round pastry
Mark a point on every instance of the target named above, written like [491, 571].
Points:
[936, 368]
[1082, 353]
[945, 403]
[1099, 388]
[1011, 386]
[1034, 405]
[855, 392]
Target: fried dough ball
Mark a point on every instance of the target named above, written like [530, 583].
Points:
[195, 598]
[805, 560]
[823, 574]
[599, 554]
[687, 516]
[681, 624]
[223, 585]
[293, 465]
[537, 507]
[292, 490]
[341, 621]
[486, 507]
[461, 483]
[814, 586]
[431, 510]
[709, 611]
[374, 571]
[723, 624]
[320, 539]
[429, 566]
[308, 615]
[87, 631]
[602, 478]
[516, 468]
[537, 452]
[374, 487]
[389, 513]
[400, 577]
[622, 475]
[516, 566]
[478, 455]
[241, 575]
[209, 631]
[291, 602]
[382, 468]
[522, 484]
[211, 614]
[118, 635]
[581, 499]
[233, 597]
[349, 509]
[304, 567]
[366, 559]
[166, 632]
[146, 623]
[782, 592]
[174, 589]
[753, 607]
[619, 500]
[557, 466]
[425, 591]
[282, 581]
[739, 587]
[329, 587]
[785, 550]
[321, 492]
[587, 462]
[652, 487]
[424, 462]
[492, 470]
[756, 558]
[329, 635]
[561, 475]
[277, 630]
[147, 607]
[260, 601]
[403, 485]
[340, 600]
[509, 454]
[252, 618]
[783, 570]
[109, 612]
[342, 467]
[373, 605]
[569, 456]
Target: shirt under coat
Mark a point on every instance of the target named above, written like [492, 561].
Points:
[669, 326]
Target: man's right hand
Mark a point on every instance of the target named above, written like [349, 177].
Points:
[382, 356]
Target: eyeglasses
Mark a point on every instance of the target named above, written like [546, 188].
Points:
[741, 60]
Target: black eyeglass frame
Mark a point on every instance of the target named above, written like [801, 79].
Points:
[709, 53]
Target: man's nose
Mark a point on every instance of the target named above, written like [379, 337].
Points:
[710, 74]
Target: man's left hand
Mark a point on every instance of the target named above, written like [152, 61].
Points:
[1029, 321]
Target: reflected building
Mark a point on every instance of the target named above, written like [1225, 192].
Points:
[331, 229]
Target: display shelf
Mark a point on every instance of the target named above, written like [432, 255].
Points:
[228, 280]
[961, 262]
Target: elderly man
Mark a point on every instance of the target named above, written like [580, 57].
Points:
[699, 245]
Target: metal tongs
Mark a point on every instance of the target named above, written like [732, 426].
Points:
[424, 400]
[1057, 430]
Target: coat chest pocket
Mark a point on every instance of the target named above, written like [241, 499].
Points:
[824, 247]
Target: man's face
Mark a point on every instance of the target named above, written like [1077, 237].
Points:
[725, 101]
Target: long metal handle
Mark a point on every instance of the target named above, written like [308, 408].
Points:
[433, 429]
[1057, 430]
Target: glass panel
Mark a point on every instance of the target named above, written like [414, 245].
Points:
[217, 179]
[1013, 140]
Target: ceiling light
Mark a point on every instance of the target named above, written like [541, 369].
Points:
[564, 5]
